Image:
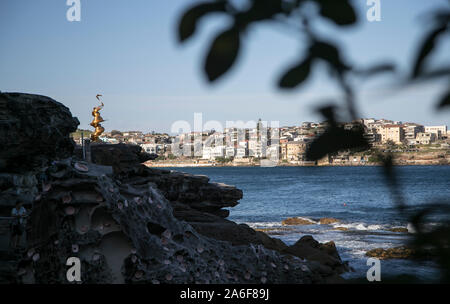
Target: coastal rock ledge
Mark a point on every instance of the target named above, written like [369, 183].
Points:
[128, 223]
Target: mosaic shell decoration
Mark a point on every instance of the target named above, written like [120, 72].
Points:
[66, 199]
[81, 167]
[70, 210]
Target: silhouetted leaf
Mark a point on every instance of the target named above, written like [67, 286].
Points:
[335, 139]
[329, 53]
[436, 73]
[222, 54]
[329, 112]
[445, 100]
[340, 12]
[426, 48]
[188, 23]
[259, 10]
[296, 75]
[376, 69]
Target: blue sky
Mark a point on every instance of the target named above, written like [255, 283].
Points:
[127, 51]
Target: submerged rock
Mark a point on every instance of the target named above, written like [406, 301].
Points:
[398, 229]
[340, 228]
[328, 220]
[297, 221]
[401, 252]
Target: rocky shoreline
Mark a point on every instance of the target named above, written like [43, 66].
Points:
[129, 223]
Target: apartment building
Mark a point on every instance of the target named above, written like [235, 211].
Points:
[392, 132]
[424, 138]
[293, 150]
[411, 130]
[439, 131]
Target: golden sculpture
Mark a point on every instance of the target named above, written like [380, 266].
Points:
[97, 120]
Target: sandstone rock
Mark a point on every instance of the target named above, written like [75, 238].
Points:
[401, 252]
[296, 221]
[398, 229]
[33, 130]
[328, 220]
[120, 239]
[341, 229]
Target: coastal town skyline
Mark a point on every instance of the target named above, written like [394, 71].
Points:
[289, 145]
[254, 122]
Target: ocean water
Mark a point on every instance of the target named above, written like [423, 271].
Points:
[358, 196]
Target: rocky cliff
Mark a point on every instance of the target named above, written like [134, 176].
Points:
[132, 224]
[33, 129]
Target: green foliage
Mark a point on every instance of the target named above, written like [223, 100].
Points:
[171, 156]
[223, 160]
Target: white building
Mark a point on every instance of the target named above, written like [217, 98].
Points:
[207, 153]
[218, 152]
[230, 152]
[241, 152]
[149, 148]
[438, 130]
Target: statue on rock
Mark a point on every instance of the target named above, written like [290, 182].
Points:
[97, 120]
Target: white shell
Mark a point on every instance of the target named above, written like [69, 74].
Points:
[47, 187]
[133, 258]
[75, 248]
[70, 210]
[139, 274]
[81, 167]
[66, 199]
[167, 234]
[30, 252]
[36, 257]
[21, 272]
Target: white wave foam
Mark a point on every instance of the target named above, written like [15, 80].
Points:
[358, 226]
